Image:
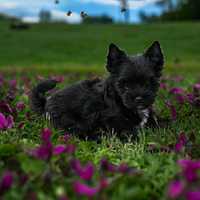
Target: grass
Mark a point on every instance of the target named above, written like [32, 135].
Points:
[79, 52]
[85, 46]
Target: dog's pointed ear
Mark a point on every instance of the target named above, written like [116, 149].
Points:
[155, 55]
[114, 57]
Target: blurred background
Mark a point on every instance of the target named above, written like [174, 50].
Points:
[62, 36]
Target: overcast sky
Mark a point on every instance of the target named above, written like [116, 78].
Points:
[29, 9]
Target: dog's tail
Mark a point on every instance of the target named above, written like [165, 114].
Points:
[37, 96]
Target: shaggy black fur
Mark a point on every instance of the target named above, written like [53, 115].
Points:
[122, 102]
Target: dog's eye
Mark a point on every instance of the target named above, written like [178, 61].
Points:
[123, 84]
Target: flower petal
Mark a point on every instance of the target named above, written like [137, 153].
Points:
[193, 195]
[3, 121]
[175, 189]
[85, 190]
[57, 150]
[6, 182]
[46, 135]
[10, 121]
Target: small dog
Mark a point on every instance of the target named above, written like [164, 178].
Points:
[121, 102]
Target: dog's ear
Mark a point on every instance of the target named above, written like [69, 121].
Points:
[155, 55]
[114, 58]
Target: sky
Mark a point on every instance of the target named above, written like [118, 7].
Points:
[28, 10]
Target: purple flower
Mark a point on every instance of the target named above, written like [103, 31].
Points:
[163, 86]
[57, 150]
[43, 152]
[6, 182]
[21, 125]
[190, 98]
[6, 123]
[172, 110]
[176, 90]
[193, 195]
[20, 106]
[84, 172]
[180, 99]
[175, 189]
[196, 89]
[107, 166]
[13, 84]
[59, 79]
[46, 135]
[5, 107]
[182, 140]
[190, 169]
[71, 148]
[125, 169]
[64, 138]
[85, 190]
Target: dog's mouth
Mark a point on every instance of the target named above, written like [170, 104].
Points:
[134, 104]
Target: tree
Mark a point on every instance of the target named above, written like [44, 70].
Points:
[176, 10]
[45, 16]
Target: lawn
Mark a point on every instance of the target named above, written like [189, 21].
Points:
[41, 163]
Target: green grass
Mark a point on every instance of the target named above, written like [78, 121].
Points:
[80, 51]
[50, 46]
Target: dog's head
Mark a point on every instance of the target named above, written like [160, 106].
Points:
[136, 78]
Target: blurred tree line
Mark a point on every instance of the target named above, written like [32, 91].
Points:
[175, 10]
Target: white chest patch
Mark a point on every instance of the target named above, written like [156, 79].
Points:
[144, 114]
[48, 116]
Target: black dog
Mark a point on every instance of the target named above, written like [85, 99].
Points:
[122, 102]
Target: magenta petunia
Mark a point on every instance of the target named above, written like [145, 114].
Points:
[10, 121]
[43, 152]
[176, 90]
[175, 189]
[85, 190]
[190, 169]
[3, 121]
[70, 148]
[57, 150]
[20, 106]
[193, 195]
[84, 172]
[6, 181]
[6, 123]
[107, 166]
[182, 140]
[180, 99]
[46, 134]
